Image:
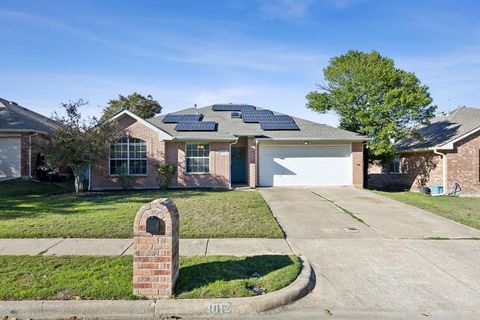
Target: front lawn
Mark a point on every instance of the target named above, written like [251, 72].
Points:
[53, 278]
[462, 210]
[40, 210]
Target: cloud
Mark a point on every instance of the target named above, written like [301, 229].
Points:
[285, 9]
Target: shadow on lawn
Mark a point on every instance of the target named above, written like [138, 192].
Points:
[31, 205]
[199, 275]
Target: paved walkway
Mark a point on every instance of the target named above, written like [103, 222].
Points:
[117, 247]
[384, 267]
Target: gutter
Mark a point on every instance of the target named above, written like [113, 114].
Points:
[444, 171]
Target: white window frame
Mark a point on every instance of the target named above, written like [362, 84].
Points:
[393, 165]
[187, 157]
[128, 159]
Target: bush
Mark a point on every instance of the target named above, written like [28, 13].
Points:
[164, 173]
[123, 177]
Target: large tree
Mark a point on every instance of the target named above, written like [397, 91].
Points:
[78, 143]
[374, 98]
[145, 107]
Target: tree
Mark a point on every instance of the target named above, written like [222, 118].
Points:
[374, 98]
[78, 143]
[144, 107]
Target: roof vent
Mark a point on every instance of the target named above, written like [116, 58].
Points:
[236, 114]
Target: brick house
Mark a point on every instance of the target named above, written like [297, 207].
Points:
[447, 153]
[231, 144]
[19, 127]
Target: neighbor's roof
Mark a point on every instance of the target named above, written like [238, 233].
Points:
[230, 128]
[19, 119]
[444, 130]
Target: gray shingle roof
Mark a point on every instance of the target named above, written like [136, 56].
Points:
[16, 118]
[229, 128]
[443, 129]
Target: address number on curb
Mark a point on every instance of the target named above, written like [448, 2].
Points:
[219, 308]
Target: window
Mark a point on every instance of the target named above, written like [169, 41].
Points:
[129, 155]
[198, 158]
[395, 165]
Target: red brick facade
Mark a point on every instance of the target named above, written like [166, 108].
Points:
[426, 168]
[172, 151]
[28, 149]
[156, 256]
[357, 158]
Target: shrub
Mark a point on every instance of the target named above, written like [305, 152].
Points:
[164, 173]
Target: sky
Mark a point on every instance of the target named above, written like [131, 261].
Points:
[268, 53]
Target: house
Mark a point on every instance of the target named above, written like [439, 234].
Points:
[231, 144]
[18, 127]
[447, 152]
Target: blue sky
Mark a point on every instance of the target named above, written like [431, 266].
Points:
[264, 52]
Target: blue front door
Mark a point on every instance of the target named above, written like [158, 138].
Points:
[239, 164]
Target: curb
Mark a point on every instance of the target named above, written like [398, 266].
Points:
[150, 309]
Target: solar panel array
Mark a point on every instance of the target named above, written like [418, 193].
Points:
[175, 118]
[196, 126]
[279, 125]
[232, 107]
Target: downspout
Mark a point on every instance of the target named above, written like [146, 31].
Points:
[256, 163]
[444, 171]
[230, 162]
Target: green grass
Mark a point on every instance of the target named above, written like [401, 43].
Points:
[68, 277]
[40, 210]
[462, 210]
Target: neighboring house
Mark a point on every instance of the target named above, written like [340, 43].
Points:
[447, 153]
[18, 126]
[230, 144]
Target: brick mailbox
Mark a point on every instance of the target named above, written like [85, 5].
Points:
[155, 249]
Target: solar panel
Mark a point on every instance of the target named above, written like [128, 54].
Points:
[175, 118]
[278, 125]
[196, 126]
[252, 117]
[232, 107]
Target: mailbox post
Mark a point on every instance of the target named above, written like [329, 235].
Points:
[155, 249]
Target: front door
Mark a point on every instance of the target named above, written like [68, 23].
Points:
[239, 165]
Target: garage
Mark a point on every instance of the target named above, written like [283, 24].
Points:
[10, 164]
[304, 165]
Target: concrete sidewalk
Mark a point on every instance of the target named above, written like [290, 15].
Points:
[117, 247]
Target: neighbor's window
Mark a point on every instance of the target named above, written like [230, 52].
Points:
[395, 165]
[198, 158]
[128, 155]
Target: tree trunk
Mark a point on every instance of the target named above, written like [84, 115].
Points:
[81, 179]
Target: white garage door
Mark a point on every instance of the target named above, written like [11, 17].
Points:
[9, 157]
[305, 165]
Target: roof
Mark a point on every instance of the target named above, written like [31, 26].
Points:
[229, 128]
[19, 119]
[444, 130]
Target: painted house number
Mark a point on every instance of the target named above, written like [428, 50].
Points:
[220, 308]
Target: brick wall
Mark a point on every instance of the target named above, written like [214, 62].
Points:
[357, 158]
[35, 153]
[219, 175]
[100, 176]
[156, 257]
[417, 169]
[463, 165]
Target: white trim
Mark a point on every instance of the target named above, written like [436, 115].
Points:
[162, 134]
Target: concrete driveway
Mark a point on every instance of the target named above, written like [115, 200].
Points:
[383, 267]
